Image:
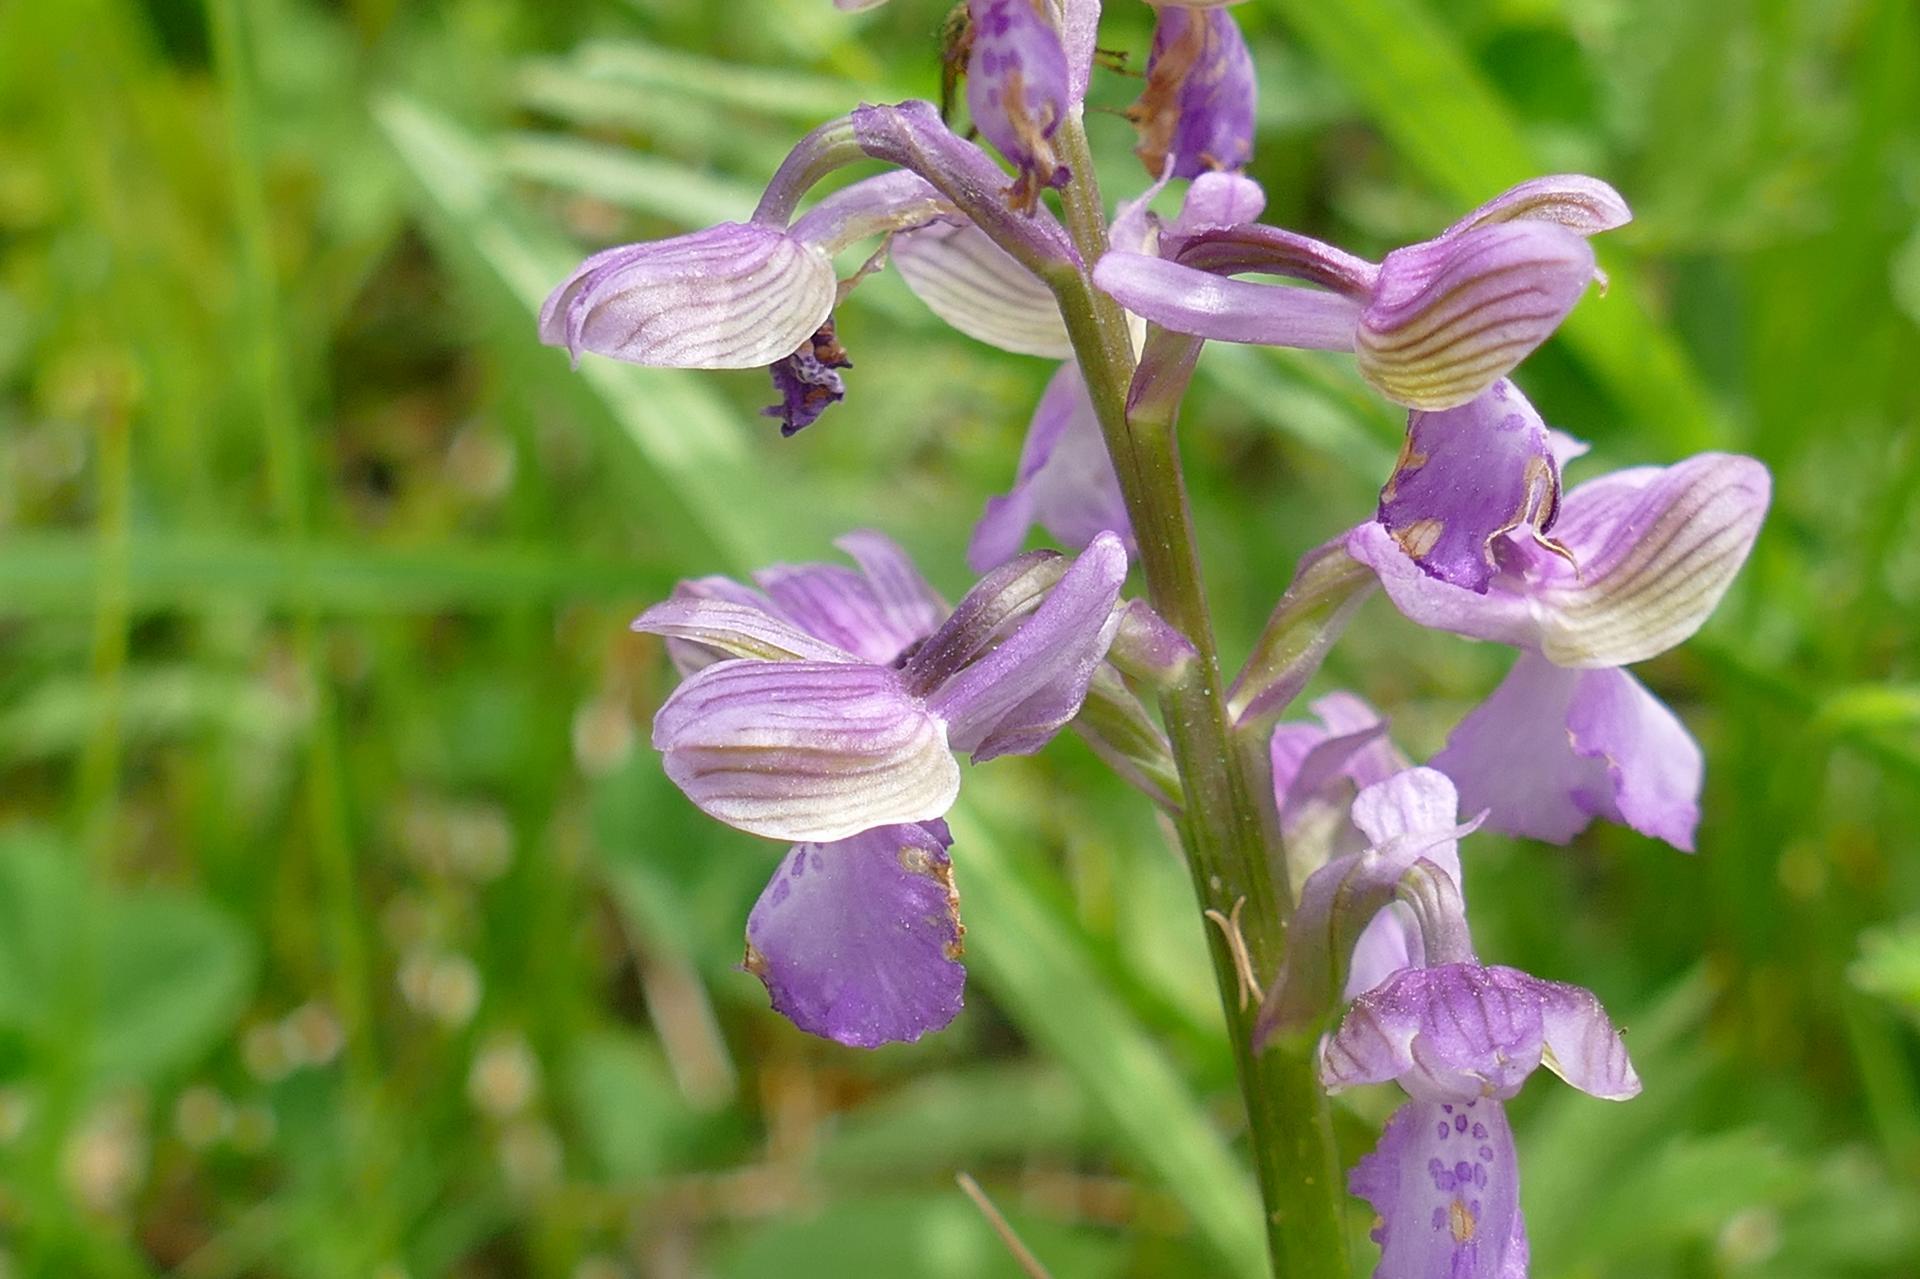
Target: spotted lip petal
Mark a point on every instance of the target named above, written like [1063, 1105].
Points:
[1452, 316]
[1466, 476]
[1444, 1184]
[813, 751]
[859, 940]
[734, 296]
[974, 285]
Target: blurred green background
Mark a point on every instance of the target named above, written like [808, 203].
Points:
[347, 924]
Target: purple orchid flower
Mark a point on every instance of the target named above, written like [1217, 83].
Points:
[1197, 113]
[1348, 932]
[1637, 561]
[1458, 1036]
[760, 293]
[1433, 325]
[822, 705]
[819, 723]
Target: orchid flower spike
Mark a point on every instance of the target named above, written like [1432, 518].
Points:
[1433, 325]
[1636, 562]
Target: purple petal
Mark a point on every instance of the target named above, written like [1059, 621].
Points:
[1317, 769]
[859, 940]
[1447, 1034]
[1018, 89]
[845, 608]
[805, 750]
[734, 629]
[870, 207]
[1466, 476]
[1445, 1188]
[734, 296]
[1653, 765]
[1452, 316]
[1013, 700]
[1419, 802]
[1198, 107]
[1551, 749]
[1586, 206]
[974, 285]
[1214, 200]
[1079, 22]
[1066, 481]
[1655, 551]
[982, 617]
[909, 604]
[1206, 305]
[1501, 614]
[1583, 1048]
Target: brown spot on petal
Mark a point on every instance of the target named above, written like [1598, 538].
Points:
[1460, 1222]
[754, 962]
[1407, 463]
[917, 861]
[1417, 538]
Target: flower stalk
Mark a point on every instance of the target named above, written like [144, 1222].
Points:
[1227, 829]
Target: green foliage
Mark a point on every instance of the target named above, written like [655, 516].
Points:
[348, 927]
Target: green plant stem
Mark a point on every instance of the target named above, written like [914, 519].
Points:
[1225, 828]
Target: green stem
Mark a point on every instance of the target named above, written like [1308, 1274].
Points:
[1225, 828]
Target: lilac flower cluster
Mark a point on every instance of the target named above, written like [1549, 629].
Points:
[823, 705]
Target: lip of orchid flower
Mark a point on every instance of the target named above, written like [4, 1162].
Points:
[1197, 113]
[859, 940]
[1432, 326]
[827, 745]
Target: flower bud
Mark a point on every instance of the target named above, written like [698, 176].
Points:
[1018, 90]
[1199, 102]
